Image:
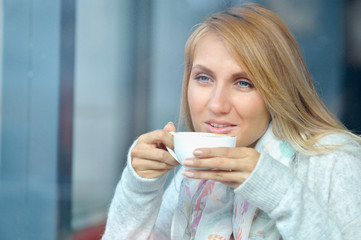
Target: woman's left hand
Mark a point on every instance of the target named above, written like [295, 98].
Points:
[231, 166]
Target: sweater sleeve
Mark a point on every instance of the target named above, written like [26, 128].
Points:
[300, 213]
[133, 212]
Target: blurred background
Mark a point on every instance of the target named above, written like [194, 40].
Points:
[81, 79]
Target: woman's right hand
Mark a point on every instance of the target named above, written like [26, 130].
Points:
[150, 158]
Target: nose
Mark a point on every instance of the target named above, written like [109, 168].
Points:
[219, 102]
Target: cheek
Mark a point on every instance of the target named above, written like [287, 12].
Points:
[262, 111]
[253, 107]
[255, 117]
[197, 102]
[196, 99]
[259, 115]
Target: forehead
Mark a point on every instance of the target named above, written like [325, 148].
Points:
[208, 40]
[211, 51]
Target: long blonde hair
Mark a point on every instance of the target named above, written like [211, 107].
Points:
[266, 50]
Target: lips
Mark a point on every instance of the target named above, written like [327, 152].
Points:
[219, 126]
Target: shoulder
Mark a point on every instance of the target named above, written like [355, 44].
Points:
[340, 170]
[337, 138]
[344, 154]
[341, 145]
[335, 171]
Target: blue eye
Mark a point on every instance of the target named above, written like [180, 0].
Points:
[244, 84]
[202, 78]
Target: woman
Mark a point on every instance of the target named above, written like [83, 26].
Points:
[295, 172]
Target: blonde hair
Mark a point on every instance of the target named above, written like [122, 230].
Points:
[268, 53]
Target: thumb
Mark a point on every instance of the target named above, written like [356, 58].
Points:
[169, 127]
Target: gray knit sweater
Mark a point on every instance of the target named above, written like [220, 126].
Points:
[321, 199]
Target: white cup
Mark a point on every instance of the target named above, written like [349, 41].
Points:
[186, 142]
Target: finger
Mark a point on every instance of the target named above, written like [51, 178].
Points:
[219, 163]
[238, 152]
[222, 163]
[169, 127]
[142, 165]
[157, 137]
[247, 157]
[220, 176]
[145, 151]
[152, 173]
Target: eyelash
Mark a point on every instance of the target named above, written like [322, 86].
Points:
[249, 85]
[199, 79]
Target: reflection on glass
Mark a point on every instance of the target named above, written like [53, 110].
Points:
[1, 66]
[100, 85]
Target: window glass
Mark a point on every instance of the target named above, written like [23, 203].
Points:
[1, 65]
[101, 101]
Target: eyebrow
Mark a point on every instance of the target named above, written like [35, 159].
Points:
[210, 72]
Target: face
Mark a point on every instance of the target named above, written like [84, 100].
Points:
[221, 98]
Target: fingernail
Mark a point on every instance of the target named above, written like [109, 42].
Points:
[188, 174]
[168, 126]
[169, 123]
[188, 162]
[197, 152]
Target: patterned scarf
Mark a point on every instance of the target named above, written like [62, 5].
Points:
[210, 210]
